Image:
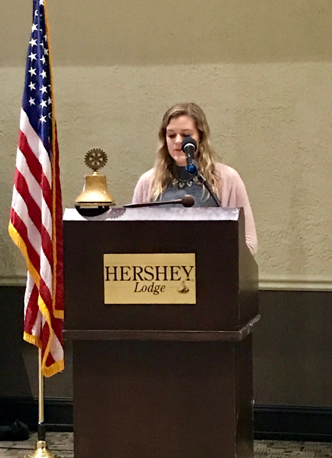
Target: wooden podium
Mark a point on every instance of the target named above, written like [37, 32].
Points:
[162, 380]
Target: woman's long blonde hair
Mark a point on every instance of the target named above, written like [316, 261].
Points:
[205, 156]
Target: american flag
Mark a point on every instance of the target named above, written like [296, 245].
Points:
[36, 211]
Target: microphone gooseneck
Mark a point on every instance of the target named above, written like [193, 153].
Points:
[186, 201]
[189, 147]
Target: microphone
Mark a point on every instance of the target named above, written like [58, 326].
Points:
[186, 201]
[189, 147]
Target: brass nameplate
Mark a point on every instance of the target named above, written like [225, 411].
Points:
[163, 278]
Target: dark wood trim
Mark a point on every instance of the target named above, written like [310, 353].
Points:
[271, 422]
[194, 336]
[293, 423]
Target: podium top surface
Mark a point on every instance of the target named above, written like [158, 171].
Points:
[158, 213]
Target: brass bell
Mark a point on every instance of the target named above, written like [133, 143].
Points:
[95, 192]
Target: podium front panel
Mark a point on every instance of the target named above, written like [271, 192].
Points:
[226, 273]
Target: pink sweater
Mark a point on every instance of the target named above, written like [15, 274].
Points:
[231, 192]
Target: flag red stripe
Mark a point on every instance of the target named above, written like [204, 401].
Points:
[35, 214]
[45, 338]
[47, 246]
[50, 360]
[45, 294]
[35, 168]
[32, 207]
[31, 311]
[22, 230]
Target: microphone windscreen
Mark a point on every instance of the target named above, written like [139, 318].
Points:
[188, 200]
[188, 140]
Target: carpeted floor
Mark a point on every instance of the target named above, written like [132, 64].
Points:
[61, 444]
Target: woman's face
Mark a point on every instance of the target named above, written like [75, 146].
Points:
[176, 130]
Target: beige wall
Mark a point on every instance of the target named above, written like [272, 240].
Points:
[262, 72]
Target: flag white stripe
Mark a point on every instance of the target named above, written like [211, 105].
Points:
[28, 290]
[34, 237]
[56, 349]
[37, 325]
[33, 185]
[34, 190]
[47, 218]
[46, 271]
[21, 209]
[36, 146]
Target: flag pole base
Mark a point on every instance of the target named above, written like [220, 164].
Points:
[41, 451]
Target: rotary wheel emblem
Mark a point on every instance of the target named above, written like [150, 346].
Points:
[95, 159]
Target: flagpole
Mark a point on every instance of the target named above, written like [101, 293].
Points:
[41, 418]
[41, 449]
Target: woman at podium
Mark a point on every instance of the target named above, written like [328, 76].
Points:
[186, 164]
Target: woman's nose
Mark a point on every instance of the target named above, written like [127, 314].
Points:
[178, 139]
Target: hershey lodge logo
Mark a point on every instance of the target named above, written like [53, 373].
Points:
[162, 278]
